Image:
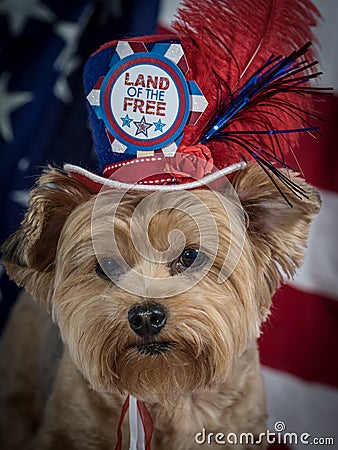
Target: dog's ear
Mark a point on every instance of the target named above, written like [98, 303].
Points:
[28, 254]
[277, 230]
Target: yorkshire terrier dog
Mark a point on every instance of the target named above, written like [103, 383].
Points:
[172, 322]
[151, 280]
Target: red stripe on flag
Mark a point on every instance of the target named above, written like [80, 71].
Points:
[318, 158]
[301, 336]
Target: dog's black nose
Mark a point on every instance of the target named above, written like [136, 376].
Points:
[147, 319]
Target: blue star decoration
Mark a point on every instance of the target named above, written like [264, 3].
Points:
[159, 125]
[126, 121]
[142, 127]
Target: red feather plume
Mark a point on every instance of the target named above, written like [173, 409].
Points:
[226, 43]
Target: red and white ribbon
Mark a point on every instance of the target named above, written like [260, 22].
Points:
[140, 424]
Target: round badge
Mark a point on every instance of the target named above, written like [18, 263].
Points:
[145, 101]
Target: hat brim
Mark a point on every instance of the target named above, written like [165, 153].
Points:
[96, 182]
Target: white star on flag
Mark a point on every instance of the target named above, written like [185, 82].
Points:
[67, 61]
[20, 11]
[10, 102]
[20, 197]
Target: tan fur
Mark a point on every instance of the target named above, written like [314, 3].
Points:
[210, 377]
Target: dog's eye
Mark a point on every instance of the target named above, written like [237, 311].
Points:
[189, 257]
[108, 268]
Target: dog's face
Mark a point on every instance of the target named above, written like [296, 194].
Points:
[139, 297]
[158, 294]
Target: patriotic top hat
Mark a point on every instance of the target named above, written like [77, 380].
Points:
[177, 112]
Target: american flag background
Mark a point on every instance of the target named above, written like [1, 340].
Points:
[43, 115]
[43, 119]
